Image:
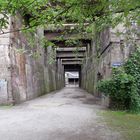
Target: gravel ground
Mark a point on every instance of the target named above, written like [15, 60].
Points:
[68, 114]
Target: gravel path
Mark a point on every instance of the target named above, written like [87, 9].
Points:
[69, 114]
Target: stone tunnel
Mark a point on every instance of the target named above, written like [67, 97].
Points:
[30, 69]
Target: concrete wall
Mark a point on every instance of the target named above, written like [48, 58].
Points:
[5, 74]
[25, 70]
[107, 50]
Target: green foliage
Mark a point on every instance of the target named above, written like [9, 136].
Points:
[132, 67]
[124, 85]
[57, 12]
[120, 88]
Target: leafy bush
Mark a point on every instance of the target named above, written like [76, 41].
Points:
[120, 89]
[132, 67]
[124, 85]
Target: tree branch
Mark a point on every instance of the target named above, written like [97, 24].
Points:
[29, 27]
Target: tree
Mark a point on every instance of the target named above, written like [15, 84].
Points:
[103, 13]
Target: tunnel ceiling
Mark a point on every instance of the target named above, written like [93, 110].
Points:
[71, 55]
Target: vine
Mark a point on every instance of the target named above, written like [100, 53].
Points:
[124, 85]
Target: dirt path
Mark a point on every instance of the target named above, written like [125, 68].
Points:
[69, 114]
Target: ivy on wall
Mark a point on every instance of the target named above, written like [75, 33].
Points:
[123, 87]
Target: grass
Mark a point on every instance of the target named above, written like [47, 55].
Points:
[127, 124]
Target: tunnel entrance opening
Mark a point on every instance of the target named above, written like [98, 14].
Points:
[72, 79]
[72, 75]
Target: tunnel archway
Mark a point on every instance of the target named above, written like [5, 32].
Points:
[73, 69]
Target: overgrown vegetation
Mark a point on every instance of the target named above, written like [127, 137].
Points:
[125, 123]
[102, 13]
[87, 16]
[123, 87]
